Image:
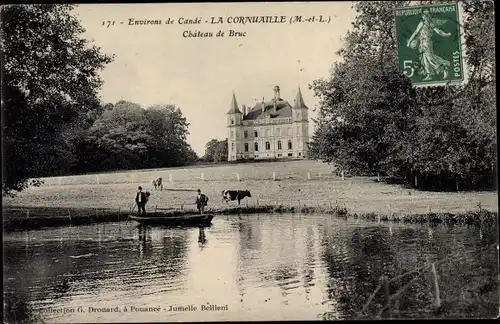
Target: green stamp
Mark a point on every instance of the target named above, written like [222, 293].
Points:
[429, 44]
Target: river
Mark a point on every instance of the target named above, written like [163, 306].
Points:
[252, 267]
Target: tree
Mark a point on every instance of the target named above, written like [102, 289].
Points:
[118, 139]
[127, 136]
[372, 120]
[216, 151]
[210, 148]
[50, 86]
[169, 129]
[366, 103]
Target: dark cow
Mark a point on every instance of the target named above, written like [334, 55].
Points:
[158, 184]
[228, 195]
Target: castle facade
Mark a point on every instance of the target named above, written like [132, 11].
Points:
[271, 129]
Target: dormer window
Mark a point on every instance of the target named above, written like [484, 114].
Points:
[232, 121]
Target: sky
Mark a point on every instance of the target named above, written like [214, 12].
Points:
[155, 64]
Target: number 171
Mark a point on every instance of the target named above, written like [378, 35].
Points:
[108, 23]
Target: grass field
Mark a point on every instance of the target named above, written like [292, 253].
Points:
[309, 183]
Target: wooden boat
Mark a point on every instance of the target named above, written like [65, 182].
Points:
[157, 218]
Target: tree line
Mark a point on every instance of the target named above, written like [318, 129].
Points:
[372, 120]
[126, 136]
[53, 122]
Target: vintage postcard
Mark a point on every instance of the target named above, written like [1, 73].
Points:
[249, 161]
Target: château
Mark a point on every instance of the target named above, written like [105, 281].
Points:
[271, 129]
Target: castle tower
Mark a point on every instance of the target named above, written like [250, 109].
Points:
[301, 126]
[234, 117]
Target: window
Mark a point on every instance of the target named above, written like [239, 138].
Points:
[232, 146]
[268, 146]
[279, 145]
[246, 147]
[256, 146]
[232, 121]
[255, 134]
[298, 130]
[289, 145]
[289, 154]
[245, 134]
[278, 131]
[232, 133]
[267, 132]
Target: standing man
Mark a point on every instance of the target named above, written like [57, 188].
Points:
[140, 199]
[201, 201]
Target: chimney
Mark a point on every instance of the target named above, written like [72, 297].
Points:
[276, 93]
[276, 97]
[263, 105]
[244, 108]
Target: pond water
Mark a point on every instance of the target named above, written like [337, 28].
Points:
[252, 267]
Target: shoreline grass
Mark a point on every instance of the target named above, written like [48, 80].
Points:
[297, 183]
[28, 218]
[299, 187]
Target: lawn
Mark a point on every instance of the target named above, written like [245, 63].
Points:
[309, 183]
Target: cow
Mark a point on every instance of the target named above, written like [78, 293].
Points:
[158, 184]
[228, 195]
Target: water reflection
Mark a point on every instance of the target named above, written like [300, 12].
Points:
[281, 267]
[201, 237]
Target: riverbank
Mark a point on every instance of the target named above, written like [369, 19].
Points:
[28, 218]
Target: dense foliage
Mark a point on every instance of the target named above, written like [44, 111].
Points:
[52, 119]
[216, 151]
[50, 85]
[126, 136]
[372, 120]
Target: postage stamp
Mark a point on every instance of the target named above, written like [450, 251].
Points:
[429, 44]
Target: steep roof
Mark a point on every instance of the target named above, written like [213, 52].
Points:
[234, 106]
[299, 101]
[283, 110]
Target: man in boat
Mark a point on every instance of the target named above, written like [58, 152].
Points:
[201, 201]
[141, 200]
